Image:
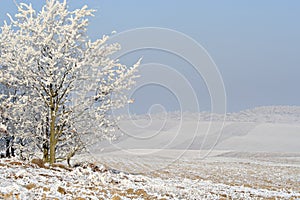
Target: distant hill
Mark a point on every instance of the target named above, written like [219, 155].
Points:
[267, 114]
[273, 114]
[267, 129]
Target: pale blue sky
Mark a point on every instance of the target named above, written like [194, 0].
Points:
[255, 44]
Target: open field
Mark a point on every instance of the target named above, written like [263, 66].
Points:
[221, 175]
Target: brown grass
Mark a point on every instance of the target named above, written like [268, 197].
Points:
[45, 189]
[58, 165]
[15, 163]
[116, 198]
[61, 190]
[79, 198]
[30, 186]
[39, 162]
[8, 196]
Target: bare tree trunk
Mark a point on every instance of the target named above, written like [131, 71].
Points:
[46, 140]
[12, 149]
[52, 132]
[46, 151]
[7, 141]
[52, 140]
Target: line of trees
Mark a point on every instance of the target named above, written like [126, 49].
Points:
[56, 84]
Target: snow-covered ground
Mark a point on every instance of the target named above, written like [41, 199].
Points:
[255, 154]
[222, 175]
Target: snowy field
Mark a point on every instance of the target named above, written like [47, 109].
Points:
[220, 175]
[255, 154]
[223, 175]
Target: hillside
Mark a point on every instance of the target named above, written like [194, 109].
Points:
[266, 129]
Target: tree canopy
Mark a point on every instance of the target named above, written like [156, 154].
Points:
[57, 84]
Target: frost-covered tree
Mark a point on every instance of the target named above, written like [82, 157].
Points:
[60, 84]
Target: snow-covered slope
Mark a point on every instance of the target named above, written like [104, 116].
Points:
[269, 129]
[182, 180]
[267, 137]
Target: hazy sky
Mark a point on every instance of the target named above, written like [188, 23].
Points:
[255, 44]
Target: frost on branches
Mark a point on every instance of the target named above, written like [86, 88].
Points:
[56, 84]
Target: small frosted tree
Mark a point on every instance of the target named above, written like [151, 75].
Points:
[61, 85]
